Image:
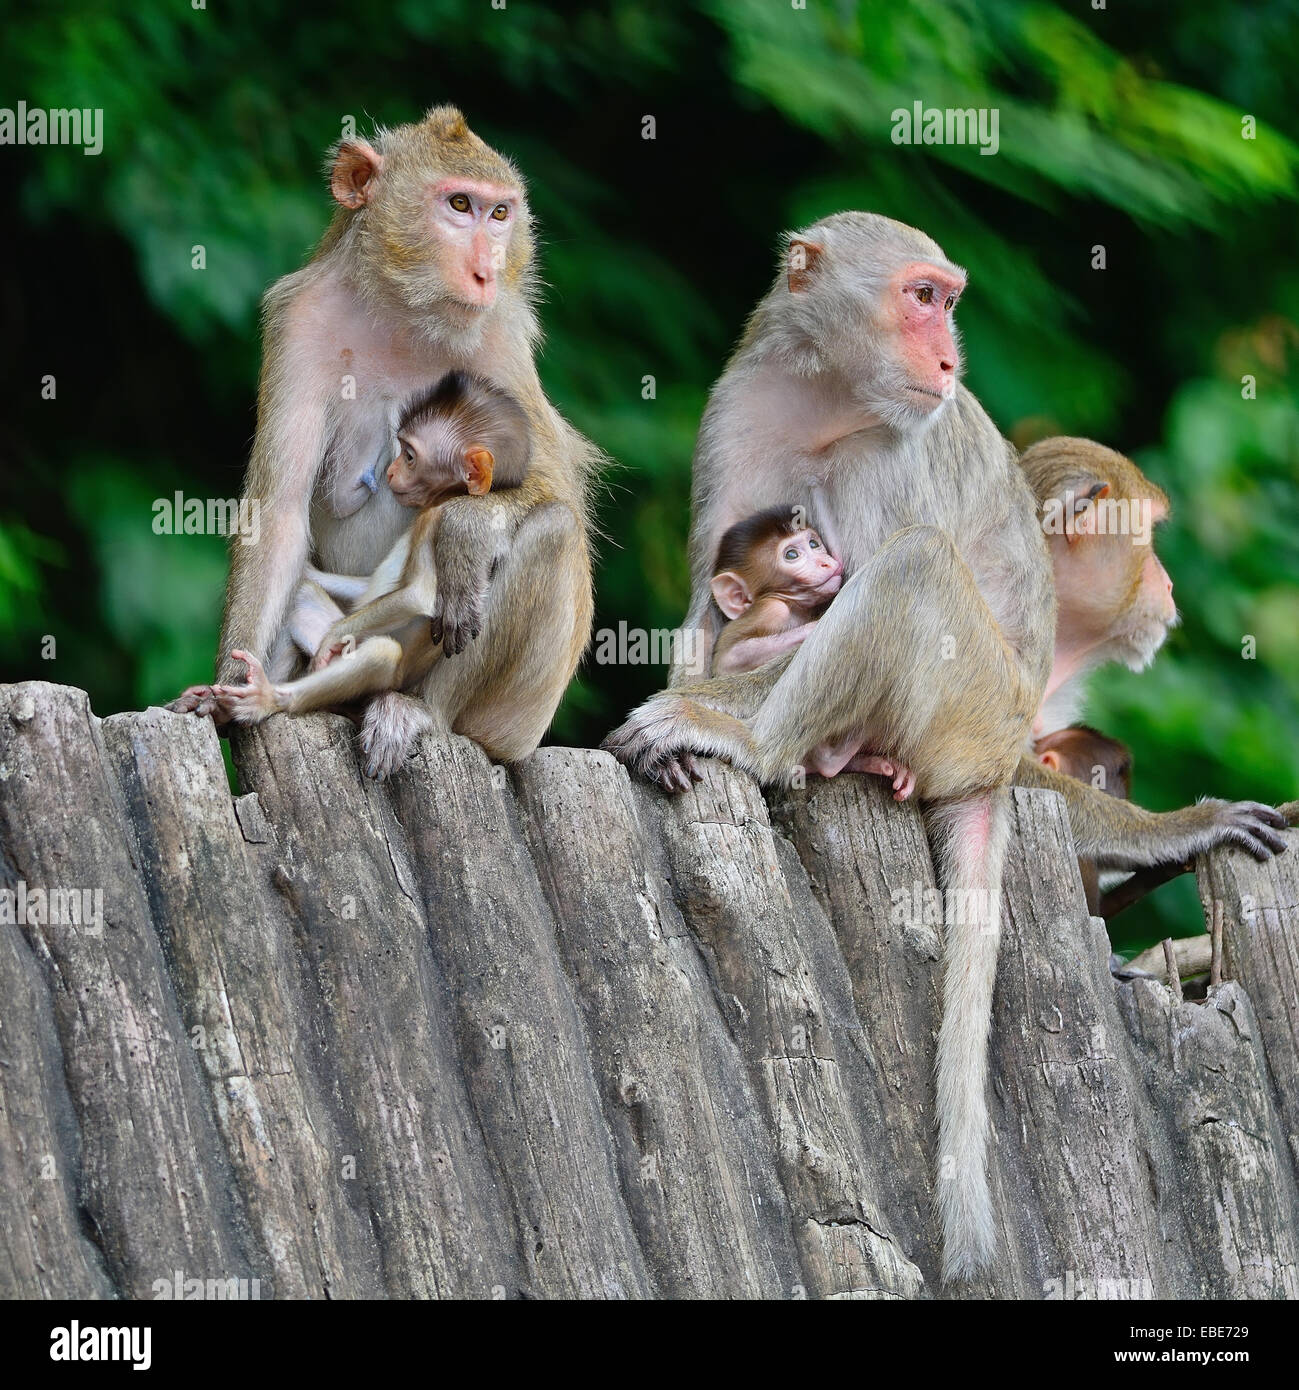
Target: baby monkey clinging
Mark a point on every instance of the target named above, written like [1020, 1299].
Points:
[773, 578]
[464, 435]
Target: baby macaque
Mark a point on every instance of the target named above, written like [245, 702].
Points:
[773, 578]
[1104, 763]
[463, 436]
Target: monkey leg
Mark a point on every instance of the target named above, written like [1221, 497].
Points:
[503, 688]
[377, 664]
[910, 659]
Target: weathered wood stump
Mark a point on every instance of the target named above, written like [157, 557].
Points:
[546, 1033]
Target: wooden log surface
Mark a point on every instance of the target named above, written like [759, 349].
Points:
[542, 1032]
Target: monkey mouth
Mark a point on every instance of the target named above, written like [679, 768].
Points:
[924, 391]
[831, 585]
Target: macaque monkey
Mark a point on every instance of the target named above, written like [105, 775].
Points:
[461, 437]
[427, 267]
[843, 396]
[1114, 603]
[1085, 753]
[774, 578]
[1114, 599]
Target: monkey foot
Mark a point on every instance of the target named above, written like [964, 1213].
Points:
[201, 700]
[252, 702]
[647, 749]
[330, 650]
[904, 780]
[391, 724]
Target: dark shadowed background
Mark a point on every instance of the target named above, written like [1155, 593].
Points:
[1119, 128]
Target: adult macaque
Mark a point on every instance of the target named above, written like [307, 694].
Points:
[1114, 599]
[427, 267]
[457, 439]
[772, 579]
[843, 397]
[1102, 762]
[1115, 603]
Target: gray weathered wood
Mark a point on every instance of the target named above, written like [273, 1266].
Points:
[1258, 906]
[549, 1034]
[157, 1191]
[235, 967]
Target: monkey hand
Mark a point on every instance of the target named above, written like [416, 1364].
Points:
[649, 750]
[330, 648]
[200, 700]
[461, 597]
[252, 702]
[904, 780]
[1248, 825]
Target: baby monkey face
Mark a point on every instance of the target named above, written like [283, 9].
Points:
[427, 472]
[803, 562]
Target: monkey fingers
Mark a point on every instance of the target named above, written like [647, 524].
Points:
[200, 700]
[1251, 826]
[252, 702]
[331, 648]
[455, 626]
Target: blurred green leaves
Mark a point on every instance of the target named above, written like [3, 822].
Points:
[1119, 128]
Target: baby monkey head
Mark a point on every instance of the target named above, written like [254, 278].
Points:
[774, 552]
[463, 435]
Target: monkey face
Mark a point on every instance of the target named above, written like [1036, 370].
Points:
[920, 301]
[445, 217]
[423, 477]
[805, 565]
[470, 224]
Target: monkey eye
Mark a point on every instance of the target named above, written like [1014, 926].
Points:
[500, 212]
[460, 202]
[951, 302]
[791, 554]
[925, 294]
[813, 543]
[410, 454]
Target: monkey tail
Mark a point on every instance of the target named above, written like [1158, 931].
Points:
[969, 838]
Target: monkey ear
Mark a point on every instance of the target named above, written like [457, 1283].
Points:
[356, 167]
[1050, 759]
[731, 593]
[478, 471]
[801, 262]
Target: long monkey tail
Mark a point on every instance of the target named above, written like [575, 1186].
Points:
[969, 840]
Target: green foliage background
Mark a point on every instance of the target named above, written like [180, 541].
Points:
[1119, 127]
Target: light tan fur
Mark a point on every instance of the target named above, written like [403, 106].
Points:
[382, 306]
[938, 648]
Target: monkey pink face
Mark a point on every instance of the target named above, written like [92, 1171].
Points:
[804, 565]
[1112, 589]
[421, 479]
[473, 222]
[921, 300]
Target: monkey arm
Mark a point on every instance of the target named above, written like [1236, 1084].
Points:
[292, 416]
[751, 652]
[1120, 835]
[473, 535]
[347, 588]
[385, 615]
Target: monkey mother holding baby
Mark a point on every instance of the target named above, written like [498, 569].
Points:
[935, 658]
[426, 268]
